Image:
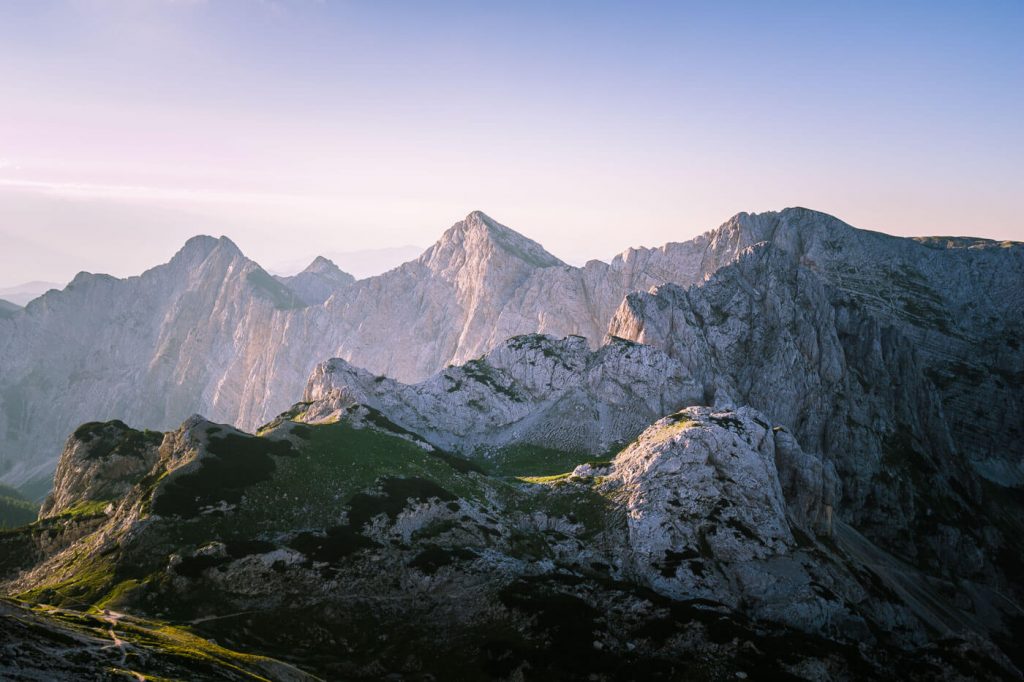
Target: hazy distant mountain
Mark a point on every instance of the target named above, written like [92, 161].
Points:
[362, 263]
[23, 293]
[318, 281]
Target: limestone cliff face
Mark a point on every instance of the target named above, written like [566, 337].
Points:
[145, 349]
[708, 518]
[530, 390]
[721, 505]
[768, 332]
[954, 299]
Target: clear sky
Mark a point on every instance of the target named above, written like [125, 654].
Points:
[297, 126]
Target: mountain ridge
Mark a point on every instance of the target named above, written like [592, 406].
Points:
[448, 306]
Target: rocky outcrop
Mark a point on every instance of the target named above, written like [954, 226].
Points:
[707, 518]
[101, 463]
[533, 390]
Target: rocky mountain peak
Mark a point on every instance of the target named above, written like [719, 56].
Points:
[323, 266]
[200, 247]
[100, 462]
[478, 237]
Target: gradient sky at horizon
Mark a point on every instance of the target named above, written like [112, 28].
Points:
[301, 126]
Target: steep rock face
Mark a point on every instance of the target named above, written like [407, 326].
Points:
[707, 518]
[952, 298]
[530, 390]
[318, 282]
[767, 332]
[145, 349]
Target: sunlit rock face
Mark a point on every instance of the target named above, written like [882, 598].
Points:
[708, 518]
[534, 390]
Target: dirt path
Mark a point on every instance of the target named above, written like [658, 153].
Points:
[112, 618]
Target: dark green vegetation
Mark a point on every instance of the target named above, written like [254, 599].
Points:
[15, 509]
[116, 438]
[313, 503]
[237, 462]
[479, 371]
[921, 303]
[536, 460]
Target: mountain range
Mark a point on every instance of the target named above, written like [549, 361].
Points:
[785, 446]
[212, 332]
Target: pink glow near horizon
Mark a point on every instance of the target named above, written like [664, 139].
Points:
[300, 127]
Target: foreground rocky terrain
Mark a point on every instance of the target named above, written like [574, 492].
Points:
[353, 548]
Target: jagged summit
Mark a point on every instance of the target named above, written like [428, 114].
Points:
[83, 278]
[478, 236]
[202, 245]
[203, 249]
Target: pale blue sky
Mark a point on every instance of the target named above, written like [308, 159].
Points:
[297, 126]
